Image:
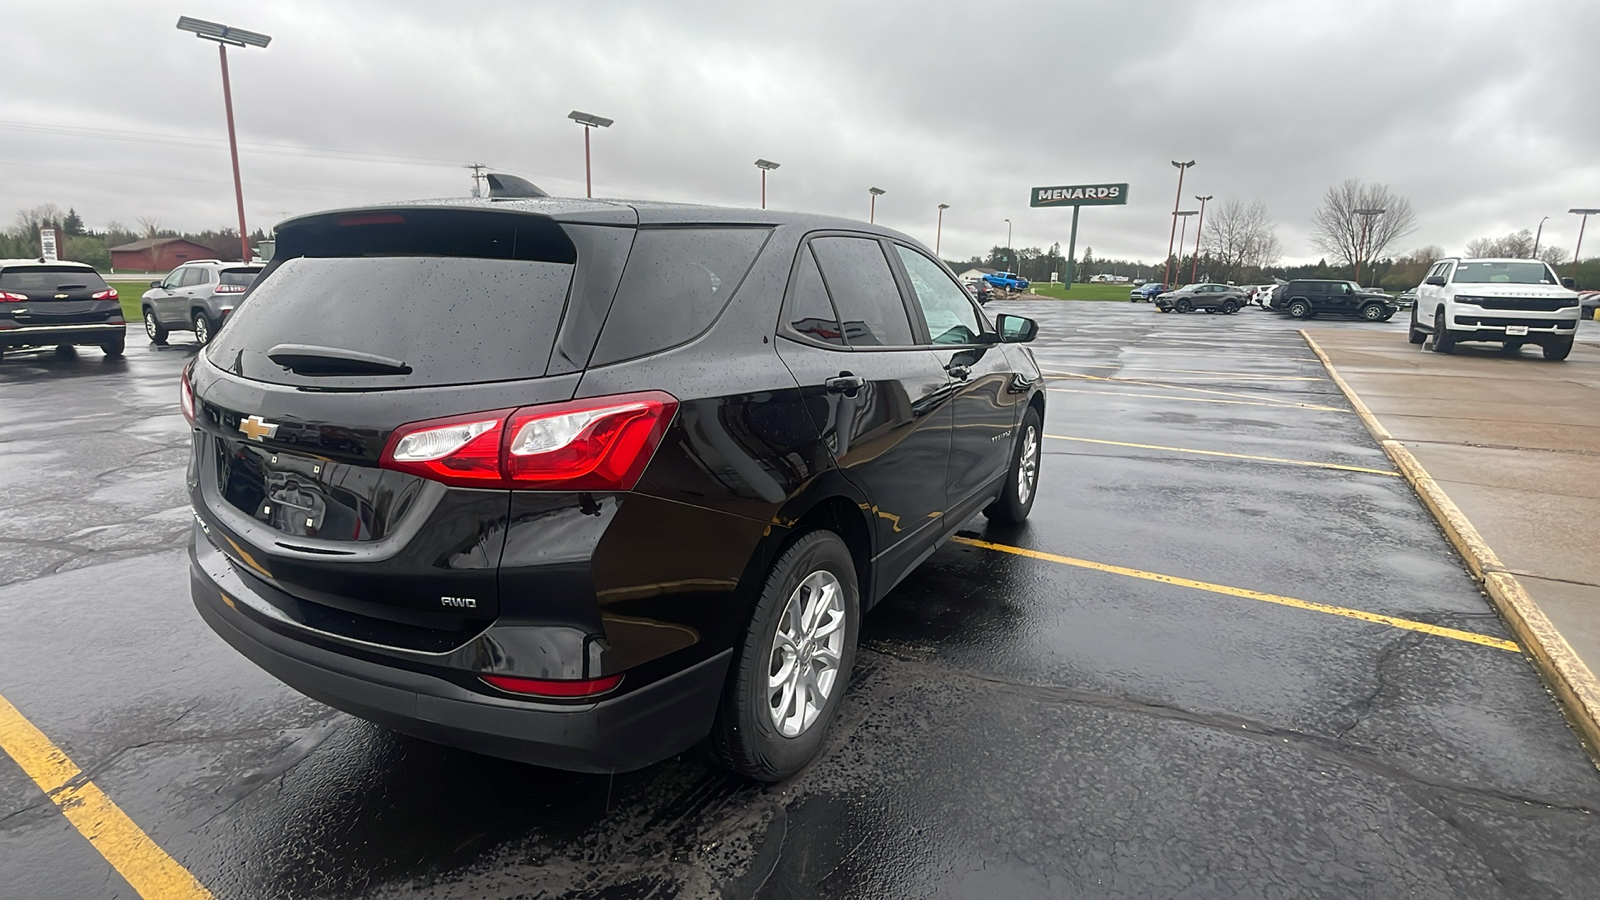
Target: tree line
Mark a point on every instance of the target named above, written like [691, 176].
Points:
[80, 243]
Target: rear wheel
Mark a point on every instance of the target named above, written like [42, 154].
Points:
[202, 328]
[791, 670]
[1022, 476]
[1229, 307]
[1374, 312]
[1443, 342]
[153, 328]
[1557, 350]
[1299, 309]
[114, 347]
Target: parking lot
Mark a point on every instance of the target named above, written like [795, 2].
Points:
[1231, 654]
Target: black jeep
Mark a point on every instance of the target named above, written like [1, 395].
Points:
[1308, 298]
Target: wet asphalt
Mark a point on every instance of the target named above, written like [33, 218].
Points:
[1015, 727]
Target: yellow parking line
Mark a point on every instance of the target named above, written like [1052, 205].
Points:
[1260, 375]
[1198, 399]
[148, 868]
[1470, 637]
[1275, 459]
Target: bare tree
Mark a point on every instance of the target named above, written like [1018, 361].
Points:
[149, 226]
[1422, 256]
[1555, 256]
[1517, 245]
[1347, 235]
[1240, 236]
[29, 220]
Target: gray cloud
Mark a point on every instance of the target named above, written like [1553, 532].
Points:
[1481, 113]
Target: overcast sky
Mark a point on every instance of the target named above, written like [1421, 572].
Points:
[1486, 115]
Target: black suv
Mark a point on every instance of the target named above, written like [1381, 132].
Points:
[58, 303]
[1308, 298]
[581, 482]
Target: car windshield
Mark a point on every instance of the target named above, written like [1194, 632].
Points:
[51, 278]
[1503, 273]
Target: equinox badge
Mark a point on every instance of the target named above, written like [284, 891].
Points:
[255, 428]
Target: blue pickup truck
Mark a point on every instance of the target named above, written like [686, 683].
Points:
[1007, 281]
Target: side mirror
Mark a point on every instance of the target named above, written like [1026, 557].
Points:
[1570, 284]
[1436, 281]
[155, 284]
[1016, 329]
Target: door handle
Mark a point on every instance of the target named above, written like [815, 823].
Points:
[959, 371]
[845, 383]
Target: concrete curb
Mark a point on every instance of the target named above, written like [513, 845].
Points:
[1574, 685]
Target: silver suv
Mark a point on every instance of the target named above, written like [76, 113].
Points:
[197, 296]
[1509, 301]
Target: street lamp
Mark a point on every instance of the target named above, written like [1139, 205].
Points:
[1183, 214]
[1199, 224]
[1010, 263]
[939, 230]
[872, 212]
[1538, 234]
[588, 120]
[1586, 213]
[1366, 229]
[1175, 201]
[765, 165]
[238, 37]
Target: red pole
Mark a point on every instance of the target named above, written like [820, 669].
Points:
[1175, 202]
[1197, 226]
[1581, 223]
[233, 150]
[1184, 233]
[588, 181]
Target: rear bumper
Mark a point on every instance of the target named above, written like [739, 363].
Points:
[45, 335]
[618, 734]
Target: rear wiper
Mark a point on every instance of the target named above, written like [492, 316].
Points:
[306, 359]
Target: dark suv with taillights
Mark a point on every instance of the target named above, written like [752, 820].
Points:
[60, 304]
[582, 482]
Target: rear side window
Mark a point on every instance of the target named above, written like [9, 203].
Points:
[197, 275]
[864, 291]
[810, 313]
[677, 281]
[453, 320]
[51, 278]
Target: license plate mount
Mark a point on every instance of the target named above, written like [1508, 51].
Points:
[1516, 330]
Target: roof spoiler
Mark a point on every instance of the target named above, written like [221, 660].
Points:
[509, 187]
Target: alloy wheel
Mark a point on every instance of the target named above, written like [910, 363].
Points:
[1028, 470]
[151, 329]
[202, 329]
[806, 650]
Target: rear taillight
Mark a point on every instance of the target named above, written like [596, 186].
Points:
[186, 394]
[231, 288]
[8, 297]
[107, 294]
[599, 444]
[541, 687]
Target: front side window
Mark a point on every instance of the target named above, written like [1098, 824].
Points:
[864, 291]
[1504, 273]
[950, 315]
[174, 279]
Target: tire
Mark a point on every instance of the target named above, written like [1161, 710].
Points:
[1374, 312]
[1511, 348]
[1387, 315]
[154, 329]
[1299, 309]
[1022, 476]
[748, 737]
[1183, 306]
[203, 329]
[114, 347]
[1229, 307]
[1209, 310]
[1412, 333]
[1443, 342]
[1557, 350]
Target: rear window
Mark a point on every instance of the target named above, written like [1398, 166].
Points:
[51, 278]
[238, 276]
[453, 320]
[677, 281]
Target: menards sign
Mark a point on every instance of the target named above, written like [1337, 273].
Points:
[1080, 195]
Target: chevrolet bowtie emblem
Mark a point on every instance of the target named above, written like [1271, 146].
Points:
[61, 296]
[255, 428]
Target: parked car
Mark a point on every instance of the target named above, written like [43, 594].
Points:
[61, 304]
[197, 296]
[1307, 298]
[1221, 298]
[581, 482]
[1509, 301]
[1007, 281]
[1406, 299]
[1147, 291]
[981, 290]
[1589, 301]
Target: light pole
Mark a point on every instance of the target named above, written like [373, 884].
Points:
[939, 230]
[1538, 234]
[1586, 213]
[1009, 264]
[1199, 224]
[1175, 201]
[765, 165]
[1183, 214]
[238, 37]
[588, 120]
[872, 211]
[1366, 229]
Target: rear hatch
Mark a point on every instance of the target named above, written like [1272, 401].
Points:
[57, 295]
[237, 280]
[365, 322]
